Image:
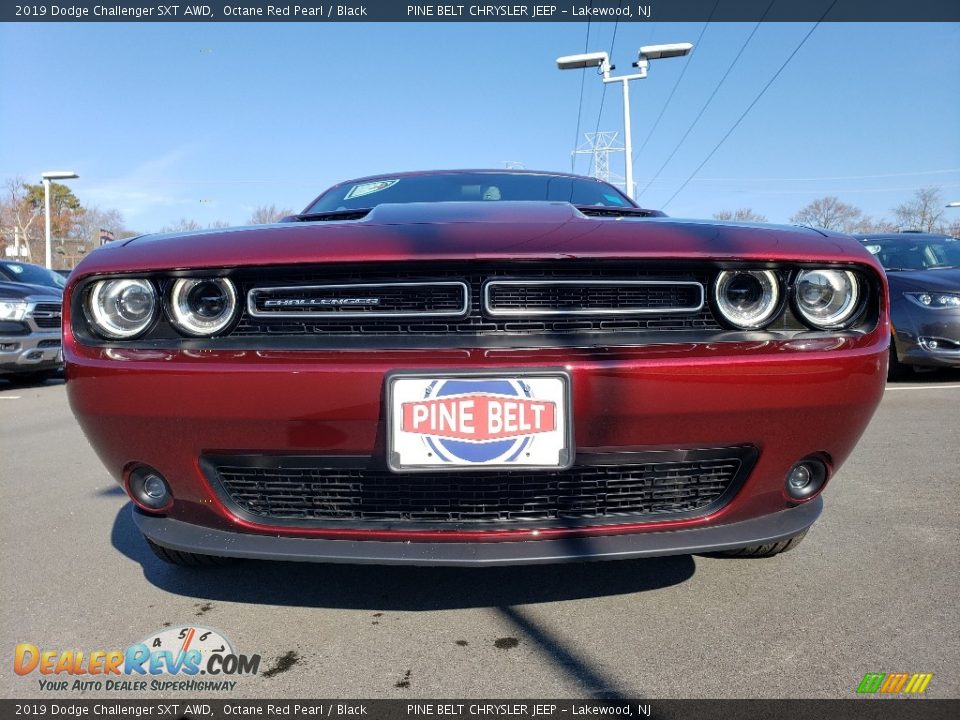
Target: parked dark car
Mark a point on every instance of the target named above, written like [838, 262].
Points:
[29, 332]
[923, 271]
[476, 368]
[21, 272]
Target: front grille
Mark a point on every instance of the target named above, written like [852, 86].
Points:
[587, 297]
[46, 315]
[660, 307]
[48, 343]
[360, 300]
[599, 489]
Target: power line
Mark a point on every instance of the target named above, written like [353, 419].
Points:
[603, 95]
[676, 84]
[947, 171]
[754, 102]
[709, 99]
[583, 77]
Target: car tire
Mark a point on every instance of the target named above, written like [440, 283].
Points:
[36, 377]
[186, 559]
[897, 370]
[766, 550]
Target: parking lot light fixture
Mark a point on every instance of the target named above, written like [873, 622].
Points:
[47, 177]
[602, 60]
[954, 204]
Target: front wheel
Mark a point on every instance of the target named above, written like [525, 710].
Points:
[896, 370]
[185, 559]
[766, 550]
[33, 377]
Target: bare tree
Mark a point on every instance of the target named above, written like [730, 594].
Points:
[21, 222]
[866, 225]
[185, 225]
[924, 212]
[266, 214]
[829, 213]
[182, 225]
[740, 215]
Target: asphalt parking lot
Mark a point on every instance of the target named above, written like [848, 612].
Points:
[873, 588]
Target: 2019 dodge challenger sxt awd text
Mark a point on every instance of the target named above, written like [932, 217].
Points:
[475, 367]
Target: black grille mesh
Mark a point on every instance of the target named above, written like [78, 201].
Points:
[637, 490]
[410, 298]
[613, 298]
[476, 323]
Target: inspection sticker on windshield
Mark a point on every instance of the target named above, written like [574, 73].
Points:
[478, 421]
[368, 188]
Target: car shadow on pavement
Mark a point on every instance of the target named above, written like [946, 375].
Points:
[927, 377]
[376, 587]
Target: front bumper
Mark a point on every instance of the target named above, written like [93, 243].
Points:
[185, 537]
[914, 329]
[788, 399]
[37, 351]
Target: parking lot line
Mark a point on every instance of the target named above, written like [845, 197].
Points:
[925, 387]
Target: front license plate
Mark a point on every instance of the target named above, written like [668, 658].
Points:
[478, 421]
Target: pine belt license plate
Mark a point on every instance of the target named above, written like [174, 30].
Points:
[479, 421]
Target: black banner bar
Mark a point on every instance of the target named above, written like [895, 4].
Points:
[491, 11]
[873, 708]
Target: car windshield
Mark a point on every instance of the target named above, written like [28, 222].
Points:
[915, 253]
[479, 187]
[31, 274]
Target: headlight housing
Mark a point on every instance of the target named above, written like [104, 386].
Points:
[747, 299]
[202, 306]
[121, 309]
[935, 300]
[13, 309]
[827, 299]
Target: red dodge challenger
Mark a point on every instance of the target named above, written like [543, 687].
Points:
[475, 368]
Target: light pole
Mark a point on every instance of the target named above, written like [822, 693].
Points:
[602, 60]
[47, 177]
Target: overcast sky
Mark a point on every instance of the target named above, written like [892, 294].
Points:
[207, 121]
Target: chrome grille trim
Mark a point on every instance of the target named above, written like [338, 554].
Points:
[492, 311]
[356, 289]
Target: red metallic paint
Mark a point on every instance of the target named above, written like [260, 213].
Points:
[165, 408]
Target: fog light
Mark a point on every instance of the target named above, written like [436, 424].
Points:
[806, 478]
[799, 477]
[149, 490]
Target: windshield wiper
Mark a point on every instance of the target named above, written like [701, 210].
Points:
[352, 214]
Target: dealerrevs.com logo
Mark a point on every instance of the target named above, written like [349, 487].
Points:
[894, 683]
[171, 659]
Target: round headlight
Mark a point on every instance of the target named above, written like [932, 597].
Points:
[202, 306]
[827, 299]
[747, 299]
[121, 308]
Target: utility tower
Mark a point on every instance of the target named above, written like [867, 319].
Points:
[599, 145]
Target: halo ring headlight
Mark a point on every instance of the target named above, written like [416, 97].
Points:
[827, 299]
[747, 299]
[121, 309]
[202, 306]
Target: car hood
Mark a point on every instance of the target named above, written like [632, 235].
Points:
[472, 230]
[19, 291]
[946, 280]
